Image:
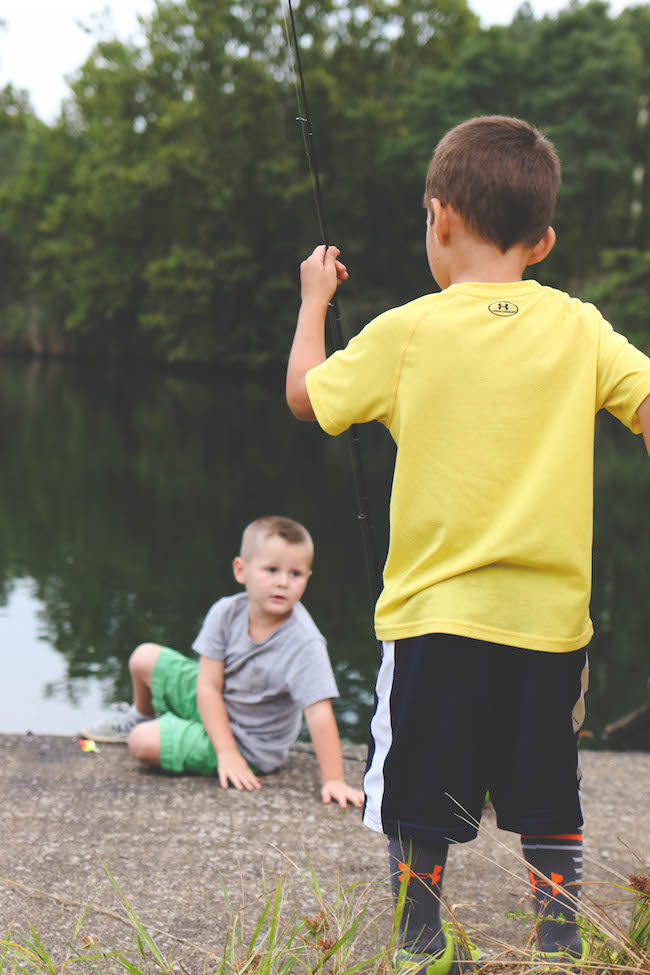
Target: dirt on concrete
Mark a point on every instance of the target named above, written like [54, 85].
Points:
[170, 841]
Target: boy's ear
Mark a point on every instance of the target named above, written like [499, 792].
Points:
[239, 569]
[440, 220]
[543, 247]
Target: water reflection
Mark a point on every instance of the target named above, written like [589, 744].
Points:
[51, 701]
[123, 497]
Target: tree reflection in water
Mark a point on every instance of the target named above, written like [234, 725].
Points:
[123, 496]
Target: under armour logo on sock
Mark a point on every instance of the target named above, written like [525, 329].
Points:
[556, 880]
[406, 873]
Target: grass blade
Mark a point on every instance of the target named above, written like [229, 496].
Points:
[143, 935]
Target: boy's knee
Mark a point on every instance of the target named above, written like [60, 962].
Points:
[143, 658]
[144, 742]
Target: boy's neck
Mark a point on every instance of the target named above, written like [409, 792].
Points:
[483, 262]
[457, 254]
[261, 627]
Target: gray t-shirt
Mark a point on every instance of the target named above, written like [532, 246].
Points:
[266, 685]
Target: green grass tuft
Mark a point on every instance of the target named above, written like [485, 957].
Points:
[267, 938]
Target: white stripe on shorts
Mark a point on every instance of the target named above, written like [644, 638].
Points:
[382, 733]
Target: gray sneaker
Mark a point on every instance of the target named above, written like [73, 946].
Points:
[116, 728]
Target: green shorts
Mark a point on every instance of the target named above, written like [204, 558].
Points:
[184, 744]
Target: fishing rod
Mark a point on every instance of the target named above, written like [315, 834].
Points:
[334, 316]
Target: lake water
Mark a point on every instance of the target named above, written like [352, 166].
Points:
[122, 499]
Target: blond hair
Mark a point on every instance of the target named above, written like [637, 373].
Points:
[272, 526]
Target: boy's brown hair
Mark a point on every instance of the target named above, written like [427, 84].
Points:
[270, 526]
[501, 175]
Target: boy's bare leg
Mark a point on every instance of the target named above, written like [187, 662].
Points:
[141, 664]
[117, 727]
[144, 742]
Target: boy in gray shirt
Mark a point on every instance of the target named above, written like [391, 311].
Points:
[262, 663]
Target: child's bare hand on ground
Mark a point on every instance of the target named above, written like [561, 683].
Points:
[233, 768]
[341, 792]
[321, 274]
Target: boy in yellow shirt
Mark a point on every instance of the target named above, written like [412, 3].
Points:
[489, 389]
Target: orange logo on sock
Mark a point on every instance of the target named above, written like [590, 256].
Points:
[556, 880]
[405, 873]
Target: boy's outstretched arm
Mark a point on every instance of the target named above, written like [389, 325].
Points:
[320, 275]
[643, 414]
[233, 767]
[325, 739]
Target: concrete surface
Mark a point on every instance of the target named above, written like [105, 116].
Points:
[168, 841]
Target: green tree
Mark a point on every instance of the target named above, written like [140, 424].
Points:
[17, 125]
[578, 76]
[164, 214]
[175, 201]
[585, 81]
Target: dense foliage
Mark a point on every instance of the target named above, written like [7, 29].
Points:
[163, 216]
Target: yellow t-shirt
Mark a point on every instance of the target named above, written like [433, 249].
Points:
[490, 392]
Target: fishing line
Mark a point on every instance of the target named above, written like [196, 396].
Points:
[333, 313]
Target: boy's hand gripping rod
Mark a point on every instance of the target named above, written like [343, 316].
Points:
[334, 323]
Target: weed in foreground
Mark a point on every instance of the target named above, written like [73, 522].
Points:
[262, 938]
[615, 935]
[266, 937]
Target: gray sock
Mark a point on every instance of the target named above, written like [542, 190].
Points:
[559, 858]
[421, 868]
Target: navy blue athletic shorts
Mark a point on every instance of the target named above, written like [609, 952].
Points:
[455, 717]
